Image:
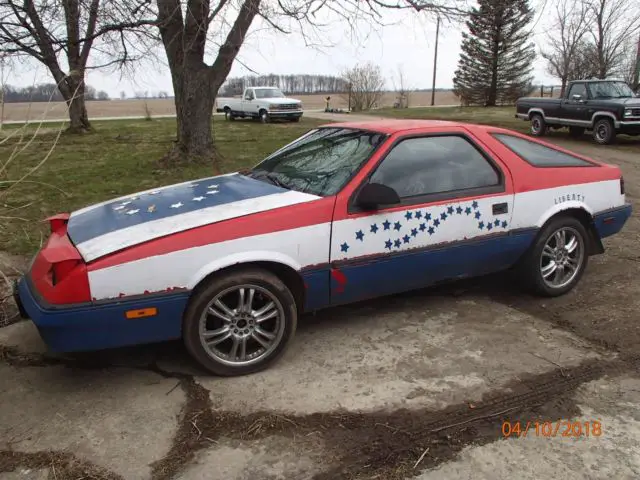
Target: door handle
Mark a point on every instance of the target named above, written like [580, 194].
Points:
[499, 208]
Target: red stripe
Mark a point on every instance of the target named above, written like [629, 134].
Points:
[286, 218]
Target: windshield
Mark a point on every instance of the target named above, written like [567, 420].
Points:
[320, 162]
[610, 90]
[268, 93]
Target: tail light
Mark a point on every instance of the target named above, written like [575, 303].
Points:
[621, 185]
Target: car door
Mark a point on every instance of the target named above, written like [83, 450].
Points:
[453, 220]
[576, 109]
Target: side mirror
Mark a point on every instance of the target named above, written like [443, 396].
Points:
[577, 98]
[373, 195]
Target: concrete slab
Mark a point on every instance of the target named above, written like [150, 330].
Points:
[24, 337]
[417, 352]
[615, 454]
[119, 419]
[273, 458]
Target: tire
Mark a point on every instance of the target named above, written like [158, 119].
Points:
[538, 125]
[264, 116]
[576, 132]
[281, 322]
[537, 260]
[228, 115]
[604, 133]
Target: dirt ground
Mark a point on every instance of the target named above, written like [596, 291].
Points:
[423, 385]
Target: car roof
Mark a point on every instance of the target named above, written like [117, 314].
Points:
[391, 126]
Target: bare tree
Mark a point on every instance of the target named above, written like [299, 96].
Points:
[615, 22]
[365, 86]
[402, 88]
[186, 28]
[56, 32]
[571, 23]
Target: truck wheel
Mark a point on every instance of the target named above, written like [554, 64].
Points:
[538, 126]
[228, 115]
[604, 132]
[264, 116]
[576, 132]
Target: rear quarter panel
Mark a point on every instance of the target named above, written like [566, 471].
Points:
[542, 192]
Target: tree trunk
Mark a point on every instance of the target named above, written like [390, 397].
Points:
[72, 89]
[78, 118]
[194, 99]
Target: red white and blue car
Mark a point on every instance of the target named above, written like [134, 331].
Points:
[347, 212]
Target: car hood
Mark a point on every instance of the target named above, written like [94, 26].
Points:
[272, 101]
[108, 227]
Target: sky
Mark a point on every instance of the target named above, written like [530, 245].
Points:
[406, 42]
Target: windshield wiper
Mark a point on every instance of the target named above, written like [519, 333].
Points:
[276, 181]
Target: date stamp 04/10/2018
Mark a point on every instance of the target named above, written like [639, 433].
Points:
[559, 428]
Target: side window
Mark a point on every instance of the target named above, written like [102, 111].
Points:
[539, 155]
[248, 95]
[431, 165]
[578, 89]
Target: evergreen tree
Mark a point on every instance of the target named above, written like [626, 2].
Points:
[497, 55]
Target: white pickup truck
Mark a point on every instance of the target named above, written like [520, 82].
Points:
[265, 103]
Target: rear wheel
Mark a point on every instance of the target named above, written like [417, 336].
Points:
[604, 132]
[240, 323]
[556, 261]
[538, 125]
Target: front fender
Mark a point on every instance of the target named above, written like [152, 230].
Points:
[241, 258]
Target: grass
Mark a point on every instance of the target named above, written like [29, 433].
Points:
[120, 158]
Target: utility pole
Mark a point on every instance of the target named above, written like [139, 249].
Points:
[435, 62]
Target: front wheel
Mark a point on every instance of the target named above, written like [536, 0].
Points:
[558, 258]
[240, 323]
[264, 116]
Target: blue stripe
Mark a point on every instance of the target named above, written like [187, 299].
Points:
[96, 327]
[185, 198]
[615, 220]
[386, 275]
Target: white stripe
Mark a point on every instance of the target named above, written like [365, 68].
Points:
[137, 194]
[186, 268]
[127, 237]
[307, 246]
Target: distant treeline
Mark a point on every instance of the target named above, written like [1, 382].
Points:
[290, 84]
[45, 92]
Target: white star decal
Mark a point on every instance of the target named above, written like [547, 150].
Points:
[212, 186]
[177, 205]
[134, 198]
[194, 184]
[125, 203]
[212, 192]
[131, 212]
[198, 199]
[155, 192]
[119, 207]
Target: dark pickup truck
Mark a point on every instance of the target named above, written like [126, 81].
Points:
[606, 107]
